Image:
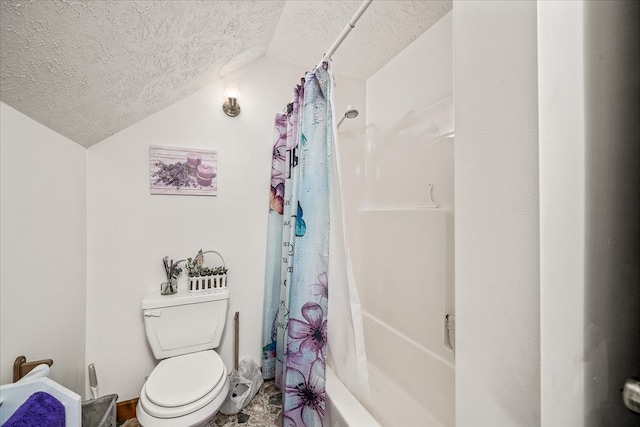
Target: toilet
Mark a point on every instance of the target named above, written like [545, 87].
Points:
[190, 383]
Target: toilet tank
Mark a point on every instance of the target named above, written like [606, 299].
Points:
[184, 322]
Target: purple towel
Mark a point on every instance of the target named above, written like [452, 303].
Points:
[41, 410]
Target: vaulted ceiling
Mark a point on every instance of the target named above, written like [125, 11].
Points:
[88, 69]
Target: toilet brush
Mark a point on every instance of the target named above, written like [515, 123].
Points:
[236, 320]
[93, 381]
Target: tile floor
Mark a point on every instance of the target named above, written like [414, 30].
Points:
[265, 410]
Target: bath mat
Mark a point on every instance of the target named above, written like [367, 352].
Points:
[40, 409]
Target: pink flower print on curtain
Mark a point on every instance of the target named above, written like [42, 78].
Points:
[321, 289]
[306, 396]
[309, 339]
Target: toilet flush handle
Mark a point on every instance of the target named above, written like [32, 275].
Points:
[153, 313]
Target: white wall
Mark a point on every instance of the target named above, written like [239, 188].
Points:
[561, 109]
[129, 230]
[497, 214]
[43, 248]
[558, 352]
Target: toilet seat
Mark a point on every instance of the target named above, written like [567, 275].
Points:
[183, 384]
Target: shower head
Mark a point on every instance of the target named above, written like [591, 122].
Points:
[351, 113]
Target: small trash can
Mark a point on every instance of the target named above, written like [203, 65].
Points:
[100, 412]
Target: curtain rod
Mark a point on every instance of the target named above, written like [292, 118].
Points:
[345, 32]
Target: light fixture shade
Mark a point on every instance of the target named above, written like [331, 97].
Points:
[231, 91]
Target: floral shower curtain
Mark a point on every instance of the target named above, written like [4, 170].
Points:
[296, 284]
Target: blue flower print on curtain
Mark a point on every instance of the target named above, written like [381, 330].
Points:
[301, 226]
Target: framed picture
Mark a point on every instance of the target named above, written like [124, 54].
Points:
[183, 171]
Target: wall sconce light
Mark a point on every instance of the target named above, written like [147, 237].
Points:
[230, 106]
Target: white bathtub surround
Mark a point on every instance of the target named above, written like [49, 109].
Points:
[404, 229]
[345, 333]
[407, 274]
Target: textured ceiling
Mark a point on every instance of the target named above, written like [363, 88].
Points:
[387, 27]
[88, 69]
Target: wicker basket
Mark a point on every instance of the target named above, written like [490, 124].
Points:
[215, 282]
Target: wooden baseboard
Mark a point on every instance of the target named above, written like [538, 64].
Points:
[126, 410]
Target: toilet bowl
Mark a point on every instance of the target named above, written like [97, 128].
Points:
[183, 391]
[190, 382]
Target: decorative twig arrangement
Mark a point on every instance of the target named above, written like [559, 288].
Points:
[172, 269]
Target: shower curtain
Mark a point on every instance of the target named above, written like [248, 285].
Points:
[304, 239]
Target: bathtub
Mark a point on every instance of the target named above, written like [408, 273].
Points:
[342, 408]
[12, 396]
[398, 192]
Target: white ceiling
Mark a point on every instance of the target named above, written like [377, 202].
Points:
[88, 69]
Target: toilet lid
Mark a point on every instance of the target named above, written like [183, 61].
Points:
[181, 380]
